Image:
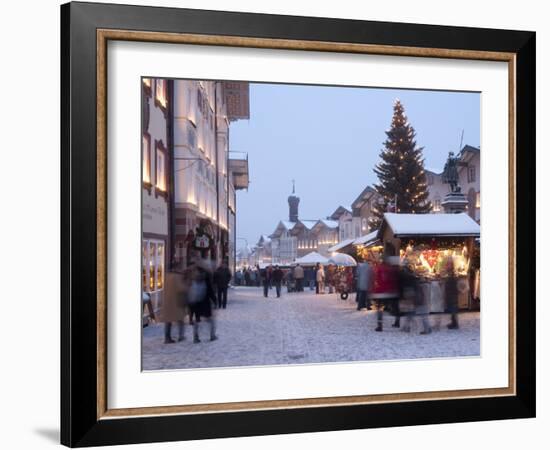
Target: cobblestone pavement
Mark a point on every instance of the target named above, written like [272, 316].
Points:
[301, 328]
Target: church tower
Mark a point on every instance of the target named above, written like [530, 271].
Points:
[293, 202]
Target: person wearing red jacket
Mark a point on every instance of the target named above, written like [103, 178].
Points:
[385, 289]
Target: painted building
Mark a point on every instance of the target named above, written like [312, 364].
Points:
[204, 176]
[155, 193]
[362, 210]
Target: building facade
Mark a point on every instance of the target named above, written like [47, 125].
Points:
[155, 194]
[204, 185]
[362, 211]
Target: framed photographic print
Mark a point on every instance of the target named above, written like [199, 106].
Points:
[274, 224]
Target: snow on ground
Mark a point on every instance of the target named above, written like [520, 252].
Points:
[302, 328]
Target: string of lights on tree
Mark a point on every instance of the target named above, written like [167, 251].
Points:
[402, 182]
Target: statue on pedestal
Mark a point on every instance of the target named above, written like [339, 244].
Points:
[450, 172]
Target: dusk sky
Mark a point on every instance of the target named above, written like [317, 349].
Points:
[328, 139]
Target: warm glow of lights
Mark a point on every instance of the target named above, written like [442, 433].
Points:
[161, 171]
[160, 92]
[146, 160]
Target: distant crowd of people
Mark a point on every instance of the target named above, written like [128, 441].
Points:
[390, 286]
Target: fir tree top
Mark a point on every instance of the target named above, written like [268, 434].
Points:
[402, 183]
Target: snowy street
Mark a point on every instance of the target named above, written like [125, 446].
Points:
[303, 328]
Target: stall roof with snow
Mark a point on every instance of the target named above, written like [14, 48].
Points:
[367, 238]
[404, 225]
[341, 245]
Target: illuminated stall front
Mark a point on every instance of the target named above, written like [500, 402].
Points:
[434, 245]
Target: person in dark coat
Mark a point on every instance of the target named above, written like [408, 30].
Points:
[200, 294]
[222, 277]
[277, 276]
[265, 275]
[451, 294]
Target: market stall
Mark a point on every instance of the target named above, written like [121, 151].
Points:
[343, 275]
[368, 247]
[435, 246]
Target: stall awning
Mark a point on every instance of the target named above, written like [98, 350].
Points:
[367, 238]
[341, 245]
[405, 225]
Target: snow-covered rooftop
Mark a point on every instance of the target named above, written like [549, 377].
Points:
[329, 223]
[341, 245]
[288, 224]
[372, 236]
[432, 224]
[309, 224]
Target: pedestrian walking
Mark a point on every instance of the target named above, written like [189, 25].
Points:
[222, 277]
[173, 306]
[320, 278]
[200, 294]
[364, 284]
[412, 299]
[385, 291]
[277, 278]
[266, 279]
[299, 278]
[451, 293]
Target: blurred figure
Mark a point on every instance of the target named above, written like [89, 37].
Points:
[320, 278]
[412, 299]
[299, 278]
[451, 293]
[266, 279]
[247, 280]
[329, 278]
[239, 277]
[222, 277]
[200, 294]
[310, 277]
[315, 277]
[385, 291]
[173, 305]
[147, 303]
[277, 277]
[269, 275]
[364, 284]
[254, 275]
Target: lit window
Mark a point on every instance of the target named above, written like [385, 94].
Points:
[160, 169]
[146, 154]
[437, 205]
[152, 265]
[161, 98]
[478, 200]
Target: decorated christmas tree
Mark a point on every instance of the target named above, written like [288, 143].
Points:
[402, 183]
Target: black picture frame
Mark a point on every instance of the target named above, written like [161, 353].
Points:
[80, 425]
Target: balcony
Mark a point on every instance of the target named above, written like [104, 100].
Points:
[238, 168]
